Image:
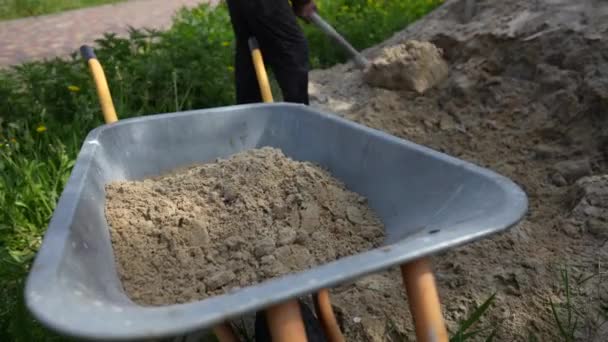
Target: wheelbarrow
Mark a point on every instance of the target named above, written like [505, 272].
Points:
[428, 202]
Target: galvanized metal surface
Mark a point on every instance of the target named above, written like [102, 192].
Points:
[428, 202]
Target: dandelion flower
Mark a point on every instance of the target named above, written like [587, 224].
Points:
[73, 88]
[230, 68]
[41, 129]
[226, 44]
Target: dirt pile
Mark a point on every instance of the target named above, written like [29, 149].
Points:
[590, 207]
[211, 228]
[413, 65]
[527, 96]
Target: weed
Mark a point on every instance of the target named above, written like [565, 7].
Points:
[463, 333]
[568, 326]
[532, 337]
[242, 331]
[571, 317]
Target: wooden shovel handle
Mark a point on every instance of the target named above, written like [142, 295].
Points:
[225, 333]
[285, 322]
[326, 315]
[424, 302]
[260, 70]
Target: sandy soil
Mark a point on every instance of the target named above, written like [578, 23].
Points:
[527, 96]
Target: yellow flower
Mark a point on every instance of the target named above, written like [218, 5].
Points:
[73, 88]
[13, 140]
[226, 44]
[41, 129]
[230, 68]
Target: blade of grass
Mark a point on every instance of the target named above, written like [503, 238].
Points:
[562, 331]
[478, 313]
[492, 336]
[474, 318]
[532, 337]
[566, 281]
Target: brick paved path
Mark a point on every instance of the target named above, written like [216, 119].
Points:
[61, 34]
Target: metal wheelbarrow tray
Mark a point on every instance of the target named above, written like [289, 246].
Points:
[428, 202]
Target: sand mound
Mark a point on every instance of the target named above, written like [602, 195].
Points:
[526, 95]
[413, 65]
[590, 207]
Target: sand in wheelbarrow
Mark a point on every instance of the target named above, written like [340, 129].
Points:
[216, 227]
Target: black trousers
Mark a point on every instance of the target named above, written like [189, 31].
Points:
[283, 45]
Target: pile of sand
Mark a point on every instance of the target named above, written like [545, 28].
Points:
[211, 228]
[413, 65]
[526, 95]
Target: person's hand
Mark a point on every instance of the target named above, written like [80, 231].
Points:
[305, 10]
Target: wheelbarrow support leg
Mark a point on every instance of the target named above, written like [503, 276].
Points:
[327, 316]
[285, 322]
[424, 301]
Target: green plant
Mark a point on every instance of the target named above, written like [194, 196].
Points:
[241, 330]
[463, 333]
[532, 337]
[572, 317]
[567, 327]
[599, 316]
[30, 183]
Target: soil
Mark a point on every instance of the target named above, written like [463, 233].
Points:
[212, 228]
[413, 65]
[526, 95]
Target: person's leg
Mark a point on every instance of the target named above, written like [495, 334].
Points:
[246, 86]
[283, 46]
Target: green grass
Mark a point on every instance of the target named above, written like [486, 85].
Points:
[13, 9]
[48, 107]
[567, 323]
[465, 331]
[571, 316]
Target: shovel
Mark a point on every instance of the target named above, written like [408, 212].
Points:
[360, 61]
